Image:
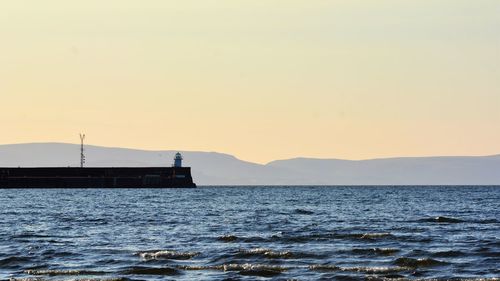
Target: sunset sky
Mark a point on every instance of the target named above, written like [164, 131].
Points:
[261, 80]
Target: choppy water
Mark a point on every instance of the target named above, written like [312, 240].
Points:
[249, 233]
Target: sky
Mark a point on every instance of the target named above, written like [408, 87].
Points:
[262, 80]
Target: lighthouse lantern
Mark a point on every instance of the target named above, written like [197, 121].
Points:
[178, 160]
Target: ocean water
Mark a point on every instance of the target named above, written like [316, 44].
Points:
[251, 233]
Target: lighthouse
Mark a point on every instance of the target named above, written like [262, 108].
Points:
[178, 160]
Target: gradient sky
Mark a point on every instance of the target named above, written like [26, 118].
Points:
[261, 80]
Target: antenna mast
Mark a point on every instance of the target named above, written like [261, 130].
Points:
[82, 156]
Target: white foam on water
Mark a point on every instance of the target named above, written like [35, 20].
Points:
[375, 270]
[167, 254]
[62, 272]
[234, 267]
[267, 253]
[375, 235]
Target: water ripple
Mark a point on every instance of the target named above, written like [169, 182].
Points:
[248, 233]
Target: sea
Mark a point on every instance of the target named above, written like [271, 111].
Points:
[251, 233]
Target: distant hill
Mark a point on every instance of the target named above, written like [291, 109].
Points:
[398, 171]
[211, 168]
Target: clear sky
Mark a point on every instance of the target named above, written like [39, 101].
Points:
[261, 80]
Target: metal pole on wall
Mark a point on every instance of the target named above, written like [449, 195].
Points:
[82, 156]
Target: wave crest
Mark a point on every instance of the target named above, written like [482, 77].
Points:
[79, 279]
[442, 219]
[414, 263]
[361, 269]
[266, 253]
[63, 272]
[227, 238]
[375, 251]
[244, 269]
[167, 254]
[375, 235]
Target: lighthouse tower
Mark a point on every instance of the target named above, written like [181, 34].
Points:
[178, 160]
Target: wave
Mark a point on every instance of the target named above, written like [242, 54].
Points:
[324, 267]
[414, 263]
[12, 261]
[303, 212]
[375, 270]
[294, 237]
[361, 269]
[370, 236]
[375, 235]
[228, 238]
[448, 254]
[232, 267]
[272, 254]
[243, 269]
[249, 239]
[495, 254]
[417, 238]
[63, 272]
[262, 272]
[362, 236]
[141, 270]
[265, 253]
[166, 254]
[375, 251]
[79, 279]
[386, 278]
[441, 219]
[30, 235]
[53, 253]
[488, 221]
